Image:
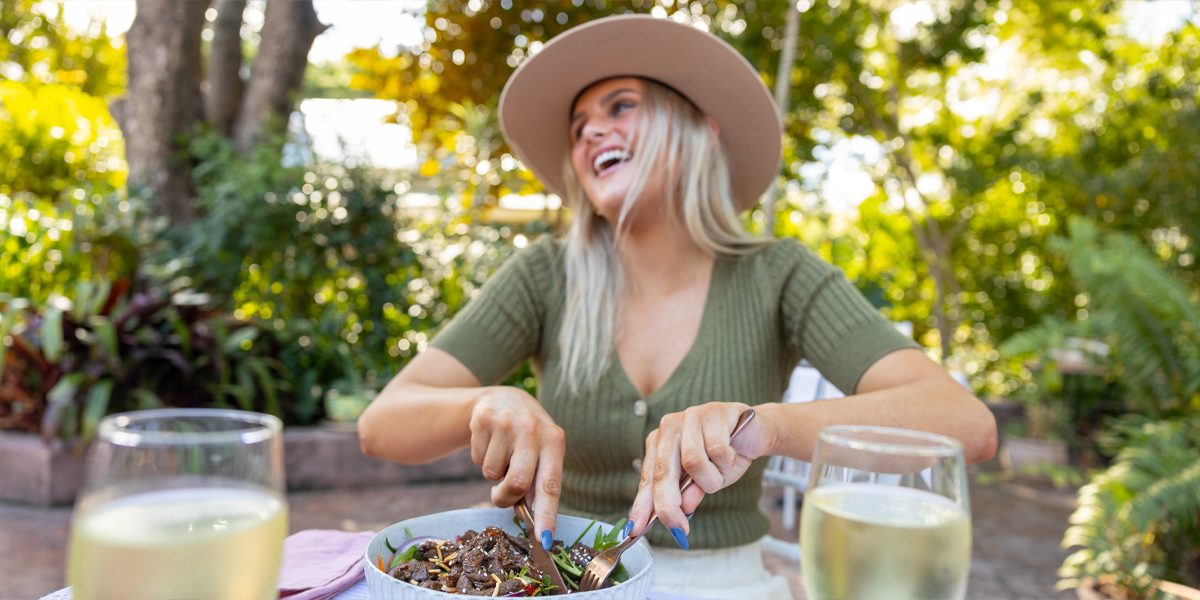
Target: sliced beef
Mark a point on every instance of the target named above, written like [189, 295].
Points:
[581, 555]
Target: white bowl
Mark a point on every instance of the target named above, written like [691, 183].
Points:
[638, 559]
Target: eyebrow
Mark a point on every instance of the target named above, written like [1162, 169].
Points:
[605, 100]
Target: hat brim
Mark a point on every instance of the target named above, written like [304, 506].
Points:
[536, 103]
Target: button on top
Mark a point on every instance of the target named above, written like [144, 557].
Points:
[639, 408]
[637, 465]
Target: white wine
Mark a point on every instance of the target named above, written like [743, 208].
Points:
[179, 544]
[881, 541]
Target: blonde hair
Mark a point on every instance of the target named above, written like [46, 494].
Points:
[672, 137]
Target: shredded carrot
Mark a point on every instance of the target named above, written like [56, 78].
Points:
[379, 560]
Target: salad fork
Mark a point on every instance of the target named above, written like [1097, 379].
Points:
[602, 566]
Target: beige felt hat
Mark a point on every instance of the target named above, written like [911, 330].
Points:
[536, 103]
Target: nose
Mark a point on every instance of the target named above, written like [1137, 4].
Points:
[596, 129]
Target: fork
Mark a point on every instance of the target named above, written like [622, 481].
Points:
[602, 566]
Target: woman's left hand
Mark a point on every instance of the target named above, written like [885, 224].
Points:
[695, 442]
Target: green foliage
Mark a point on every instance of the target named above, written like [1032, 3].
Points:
[110, 349]
[334, 260]
[1152, 315]
[1138, 519]
[64, 161]
[37, 47]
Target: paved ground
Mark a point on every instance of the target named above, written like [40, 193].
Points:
[1017, 529]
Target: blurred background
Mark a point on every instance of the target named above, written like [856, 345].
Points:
[274, 206]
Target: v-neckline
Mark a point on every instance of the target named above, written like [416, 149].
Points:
[689, 357]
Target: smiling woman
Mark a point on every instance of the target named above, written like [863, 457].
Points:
[658, 320]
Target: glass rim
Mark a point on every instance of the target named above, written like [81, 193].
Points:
[945, 446]
[258, 427]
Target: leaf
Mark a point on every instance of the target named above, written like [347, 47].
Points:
[404, 557]
[52, 336]
[83, 295]
[100, 298]
[233, 343]
[97, 405]
[58, 398]
[106, 334]
[604, 541]
[267, 382]
[243, 392]
[146, 399]
[181, 329]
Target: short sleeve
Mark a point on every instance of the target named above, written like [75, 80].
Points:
[501, 327]
[829, 322]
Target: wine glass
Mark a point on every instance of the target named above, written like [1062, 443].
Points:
[180, 503]
[886, 515]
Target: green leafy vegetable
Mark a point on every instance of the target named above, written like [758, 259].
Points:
[389, 545]
[404, 557]
[604, 541]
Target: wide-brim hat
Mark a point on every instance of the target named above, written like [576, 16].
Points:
[535, 106]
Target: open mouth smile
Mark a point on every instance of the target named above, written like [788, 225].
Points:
[609, 160]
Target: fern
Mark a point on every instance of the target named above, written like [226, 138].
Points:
[1153, 316]
[1140, 519]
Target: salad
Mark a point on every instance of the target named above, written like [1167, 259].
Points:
[493, 562]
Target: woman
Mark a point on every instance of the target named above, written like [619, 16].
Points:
[659, 319]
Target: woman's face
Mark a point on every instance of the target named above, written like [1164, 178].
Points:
[602, 124]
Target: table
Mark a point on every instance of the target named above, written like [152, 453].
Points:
[358, 591]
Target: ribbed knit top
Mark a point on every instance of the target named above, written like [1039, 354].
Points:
[764, 312]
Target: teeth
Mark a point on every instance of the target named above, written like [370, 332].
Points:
[618, 155]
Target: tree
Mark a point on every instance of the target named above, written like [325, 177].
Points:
[166, 76]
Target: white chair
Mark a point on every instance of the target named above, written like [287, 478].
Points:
[805, 385]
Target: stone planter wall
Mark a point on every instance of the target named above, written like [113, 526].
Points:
[32, 472]
[315, 458]
[1016, 452]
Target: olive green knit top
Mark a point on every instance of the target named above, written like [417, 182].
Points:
[764, 312]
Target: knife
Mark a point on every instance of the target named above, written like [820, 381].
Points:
[541, 558]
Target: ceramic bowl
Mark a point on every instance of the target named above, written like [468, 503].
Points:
[638, 559]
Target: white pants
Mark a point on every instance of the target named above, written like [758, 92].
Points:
[726, 573]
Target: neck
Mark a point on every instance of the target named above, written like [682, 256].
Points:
[660, 257]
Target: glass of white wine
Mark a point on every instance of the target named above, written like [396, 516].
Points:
[180, 503]
[886, 516]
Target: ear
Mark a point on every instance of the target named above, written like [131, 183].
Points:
[712, 123]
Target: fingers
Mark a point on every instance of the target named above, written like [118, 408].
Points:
[667, 499]
[694, 453]
[643, 503]
[496, 456]
[522, 468]
[549, 486]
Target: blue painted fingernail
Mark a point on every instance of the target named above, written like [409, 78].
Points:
[547, 539]
[628, 529]
[689, 516]
[680, 537]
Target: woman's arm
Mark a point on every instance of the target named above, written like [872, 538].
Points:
[903, 389]
[435, 406]
[424, 411]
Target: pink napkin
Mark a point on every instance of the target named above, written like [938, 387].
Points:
[318, 564]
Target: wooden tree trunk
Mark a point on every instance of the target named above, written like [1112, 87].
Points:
[223, 93]
[289, 29]
[783, 97]
[162, 101]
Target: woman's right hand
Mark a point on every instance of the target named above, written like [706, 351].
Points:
[519, 445]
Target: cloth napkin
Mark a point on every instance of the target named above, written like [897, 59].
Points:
[318, 564]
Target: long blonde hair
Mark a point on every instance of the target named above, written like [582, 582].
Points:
[672, 137]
